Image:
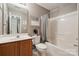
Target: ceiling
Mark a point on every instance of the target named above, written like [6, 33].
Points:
[50, 6]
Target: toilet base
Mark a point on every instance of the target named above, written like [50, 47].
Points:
[33, 47]
[42, 53]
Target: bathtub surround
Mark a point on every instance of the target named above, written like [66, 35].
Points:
[65, 37]
[58, 11]
[63, 27]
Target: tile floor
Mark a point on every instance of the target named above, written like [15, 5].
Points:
[37, 53]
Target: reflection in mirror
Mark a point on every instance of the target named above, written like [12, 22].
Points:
[35, 24]
[17, 22]
[14, 23]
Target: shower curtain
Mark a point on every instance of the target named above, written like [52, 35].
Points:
[43, 28]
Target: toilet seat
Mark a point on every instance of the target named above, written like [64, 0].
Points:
[41, 46]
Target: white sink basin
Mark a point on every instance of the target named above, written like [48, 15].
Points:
[11, 38]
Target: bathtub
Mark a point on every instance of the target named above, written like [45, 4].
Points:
[53, 50]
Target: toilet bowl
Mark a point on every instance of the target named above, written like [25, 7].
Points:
[41, 47]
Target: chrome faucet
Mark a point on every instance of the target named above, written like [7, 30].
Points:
[18, 36]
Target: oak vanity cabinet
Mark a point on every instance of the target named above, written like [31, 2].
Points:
[19, 48]
[8, 49]
[26, 48]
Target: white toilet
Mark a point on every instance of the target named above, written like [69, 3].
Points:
[41, 47]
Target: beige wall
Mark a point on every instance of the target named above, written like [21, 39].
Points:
[36, 10]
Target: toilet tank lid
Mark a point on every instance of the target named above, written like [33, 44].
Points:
[41, 45]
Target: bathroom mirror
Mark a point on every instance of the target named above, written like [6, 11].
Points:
[15, 18]
[17, 21]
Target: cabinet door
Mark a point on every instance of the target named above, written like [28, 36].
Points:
[26, 48]
[9, 49]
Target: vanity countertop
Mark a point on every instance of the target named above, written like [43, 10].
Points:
[13, 38]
